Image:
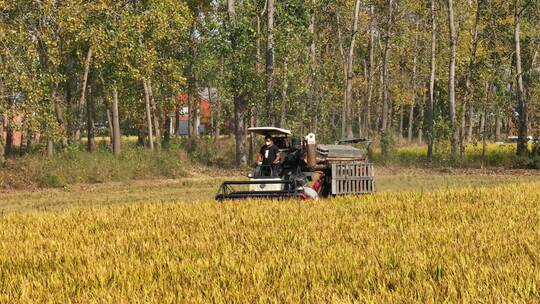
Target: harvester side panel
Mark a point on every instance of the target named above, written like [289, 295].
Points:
[352, 178]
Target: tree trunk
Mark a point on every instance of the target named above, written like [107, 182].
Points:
[401, 116]
[155, 113]
[239, 132]
[370, 69]
[23, 147]
[177, 121]
[9, 137]
[239, 99]
[350, 74]
[71, 132]
[284, 97]
[110, 125]
[381, 110]
[483, 131]
[481, 127]
[431, 101]
[50, 147]
[116, 123]
[217, 127]
[253, 114]
[413, 103]
[451, 80]
[30, 140]
[2, 146]
[345, 76]
[258, 43]
[385, 108]
[466, 98]
[498, 125]
[148, 116]
[196, 118]
[470, 116]
[521, 103]
[411, 122]
[83, 95]
[167, 131]
[313, 94]
[194, 115]
[390, 114]
[2, 120]
[140, 136]
[385, 67]
[59, 117]
[231, 11]
[90, 114]
[421, 124]
[189, 114]
[270, 63]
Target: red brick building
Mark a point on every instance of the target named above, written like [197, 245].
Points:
[204, 109]
[17, 135]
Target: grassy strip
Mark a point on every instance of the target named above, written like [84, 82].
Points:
[74, 167]
[469, 245]
[495, 156]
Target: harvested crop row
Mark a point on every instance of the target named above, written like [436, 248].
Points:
[465, 245]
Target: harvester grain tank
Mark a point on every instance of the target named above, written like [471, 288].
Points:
[306, 170]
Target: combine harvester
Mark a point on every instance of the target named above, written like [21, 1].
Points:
[306, 170]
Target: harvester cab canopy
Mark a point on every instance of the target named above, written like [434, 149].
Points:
[272, 131]
[279, 135]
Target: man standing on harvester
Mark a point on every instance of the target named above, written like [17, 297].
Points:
[268, 156]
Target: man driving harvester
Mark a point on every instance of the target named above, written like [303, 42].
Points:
[268, 156]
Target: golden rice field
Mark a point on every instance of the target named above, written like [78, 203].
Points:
[471, 245]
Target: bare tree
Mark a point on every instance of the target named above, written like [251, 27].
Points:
[350, 74]
[370, 67]
[239, 98]
[468, 76]
[155, 113]
[344, 65]
[50, 146]
[431, 101]
[521, 102]
[115, 123]
[2, 149]
[59, 115]
[452, 79]
[90, 121]
[83, 95]
[413, 103]
[284, 93]
[148, 115]
[386, 54]
[270, 95]
[313, 94]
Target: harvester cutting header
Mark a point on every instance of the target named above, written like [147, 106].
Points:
[293, 167]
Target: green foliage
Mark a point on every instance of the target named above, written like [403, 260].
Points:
[49, 180]
[388, 144]
[180, 46]
[206, 151]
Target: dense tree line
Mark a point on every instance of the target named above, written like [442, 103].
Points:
[437, 71]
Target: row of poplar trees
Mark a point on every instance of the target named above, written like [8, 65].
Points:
[428, 71]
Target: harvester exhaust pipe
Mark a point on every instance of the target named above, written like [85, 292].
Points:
[311, 150]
